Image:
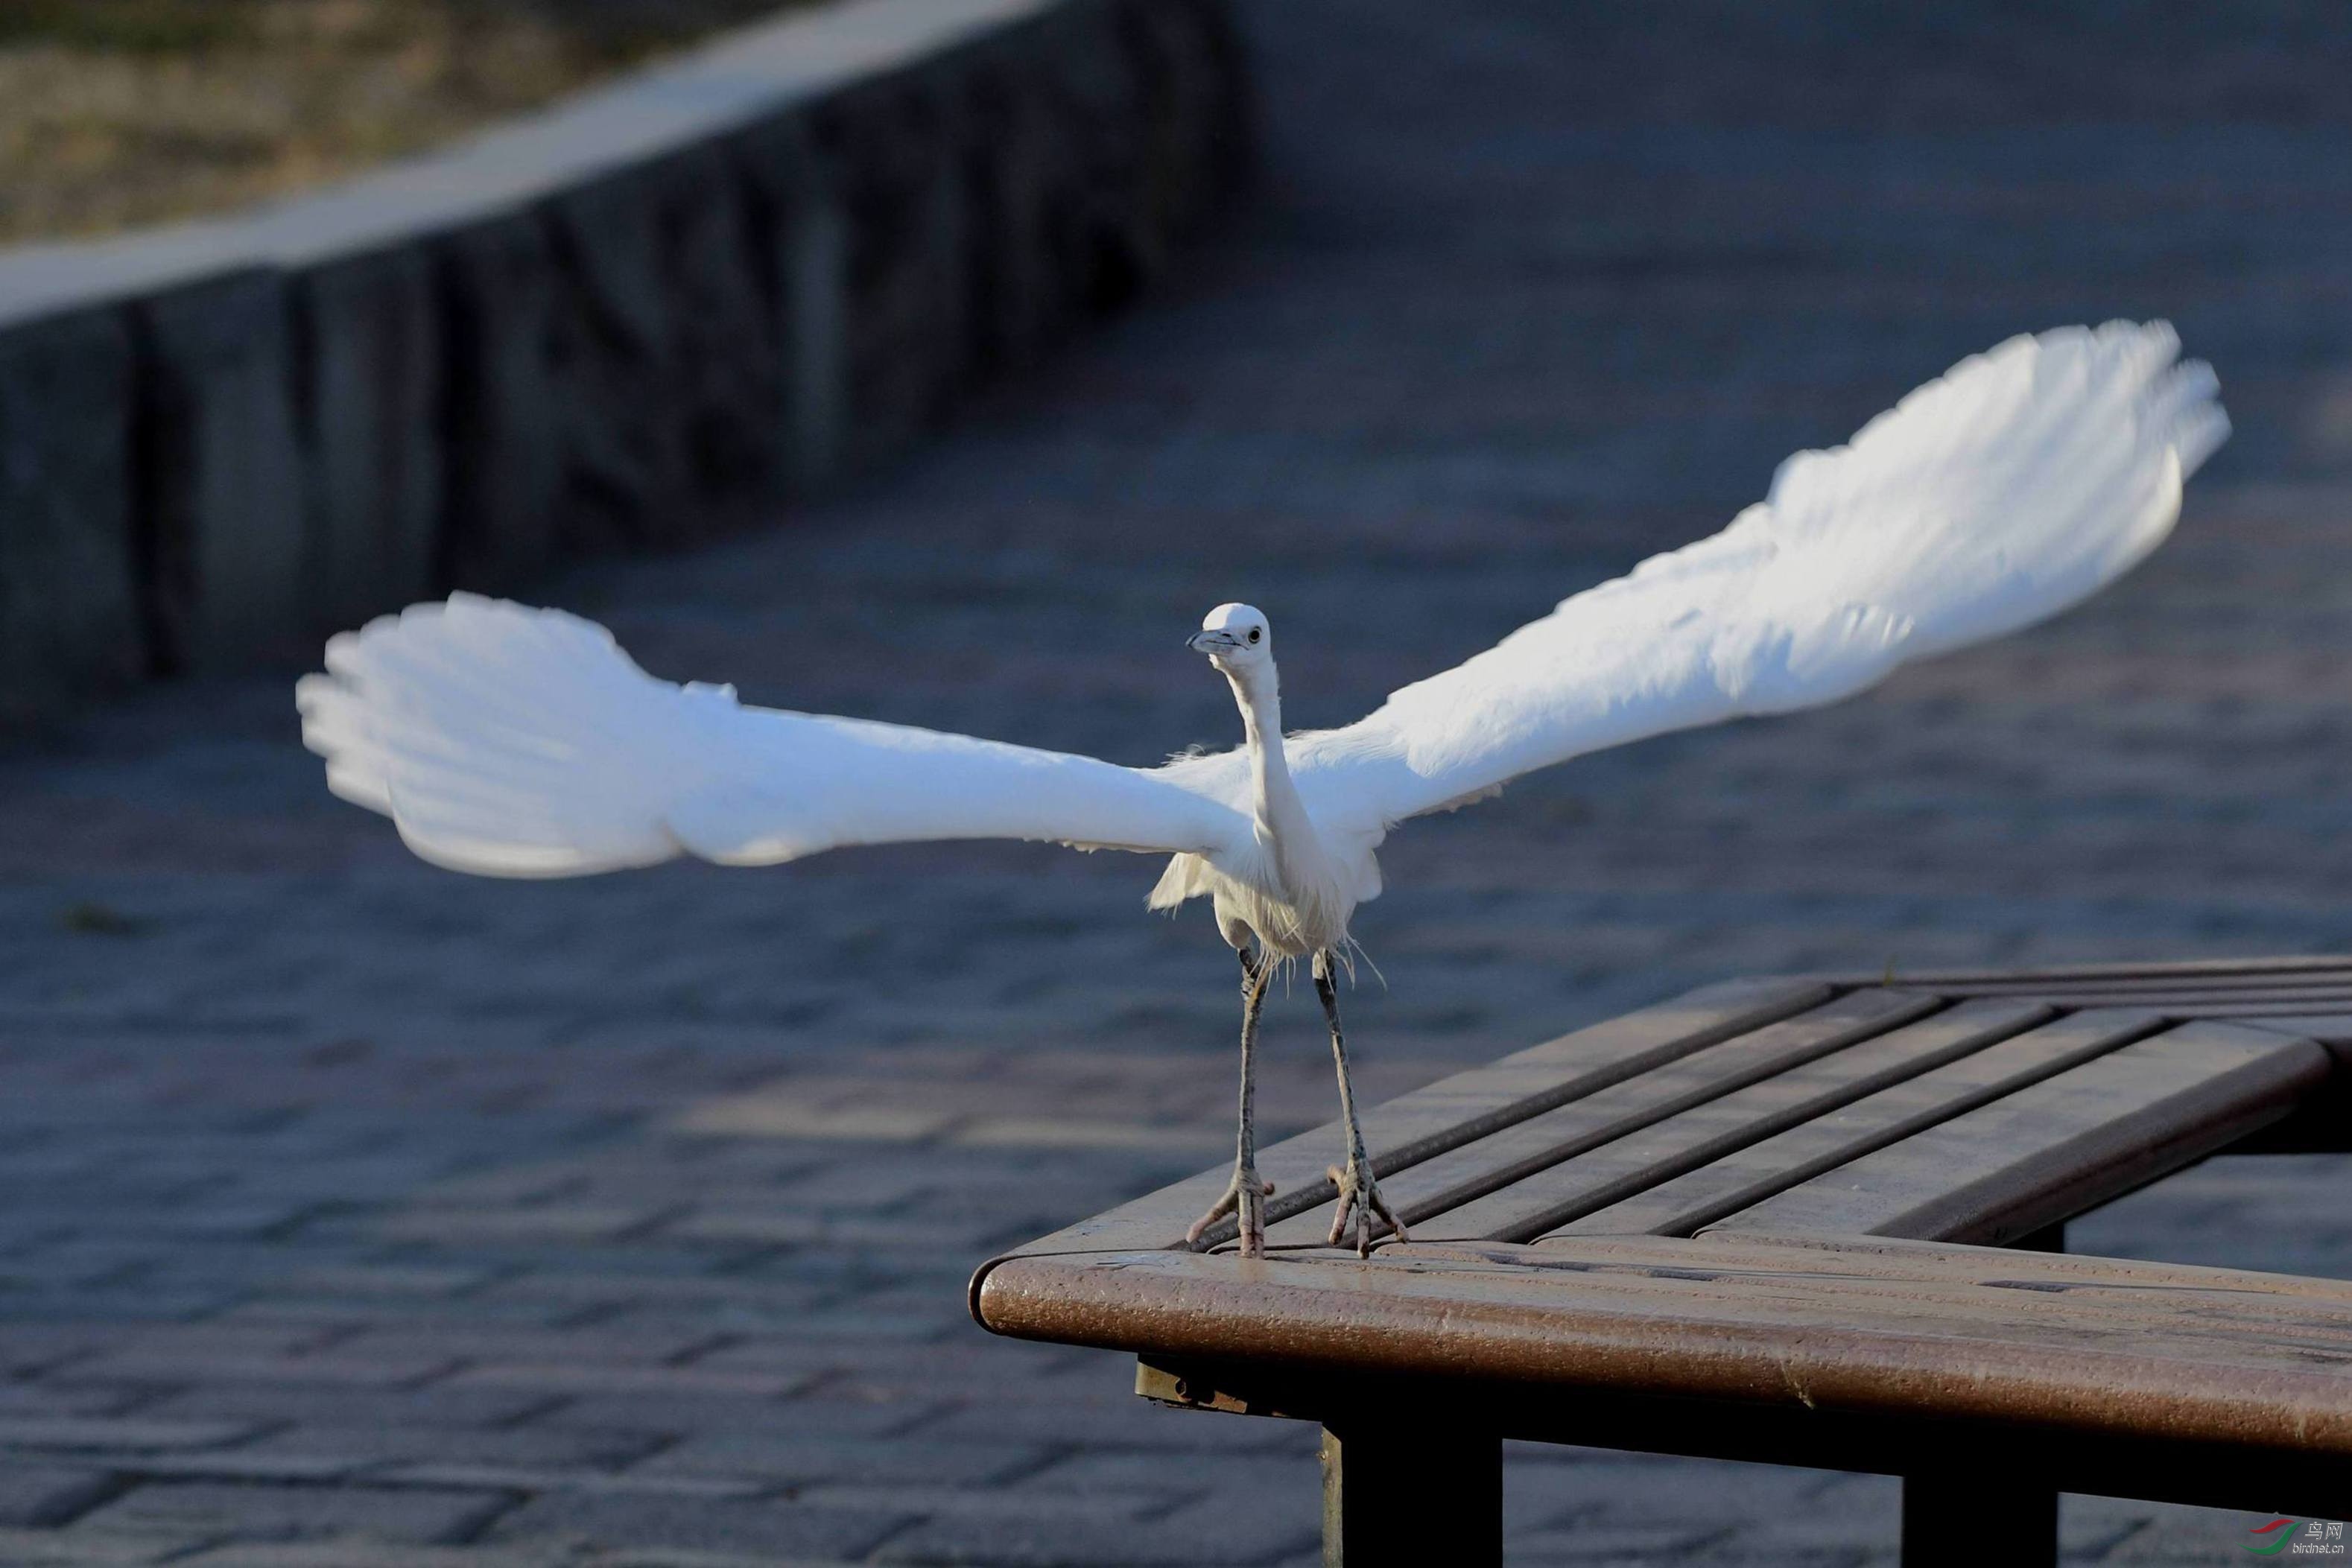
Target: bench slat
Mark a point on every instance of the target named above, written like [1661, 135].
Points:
[1810, 1329]
[2201, 968]
[1893, 1258]
[2254, 1004]
[2334, 989]
[1705, 1133]
[2171, 1315]
[2060, 1147]
[1684, 1203]
[1511, 1152]
[2246, 986]
[2328, 1028]
[1454, 1111]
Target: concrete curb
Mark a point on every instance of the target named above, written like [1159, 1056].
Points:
[646, 315]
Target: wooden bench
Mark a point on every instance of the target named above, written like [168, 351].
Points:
[1811, 1222]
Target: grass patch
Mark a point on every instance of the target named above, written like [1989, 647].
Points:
[115, 113]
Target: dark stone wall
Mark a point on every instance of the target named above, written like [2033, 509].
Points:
[658, 313]
[70, 618]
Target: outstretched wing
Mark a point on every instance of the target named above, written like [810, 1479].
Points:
[509, 741]
[2018, 483]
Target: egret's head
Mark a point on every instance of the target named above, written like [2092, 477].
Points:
[1237, 639]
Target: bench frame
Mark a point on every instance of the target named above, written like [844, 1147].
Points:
[1977, 1487]
[1440, 1443]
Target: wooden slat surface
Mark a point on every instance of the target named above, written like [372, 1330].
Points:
[1896, 1259]
[1809, 1133]
[2220, 987]
[1890, 1276]
[2250, 1004]
[2090, 1346]
[2328, 1029]
[1948, 979]
[1455, 1110]
[1681, 1205]
[2309, 996]
[1445, 1180]
[2060, 1147]
[1649, 1155]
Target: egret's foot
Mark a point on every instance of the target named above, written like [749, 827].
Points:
[1245, 1194]
[1360, 1204]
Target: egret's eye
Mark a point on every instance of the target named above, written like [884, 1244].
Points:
[1254, 634]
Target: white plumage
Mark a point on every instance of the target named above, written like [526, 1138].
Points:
[509, 741]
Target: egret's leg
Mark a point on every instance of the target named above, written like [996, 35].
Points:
[1360, 1194]
[1245, 1196]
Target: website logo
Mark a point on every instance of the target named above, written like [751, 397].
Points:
[2285, 1537]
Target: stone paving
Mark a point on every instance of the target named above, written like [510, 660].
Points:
[352, 1213]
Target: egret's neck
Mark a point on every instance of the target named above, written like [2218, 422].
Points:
[1273, 798]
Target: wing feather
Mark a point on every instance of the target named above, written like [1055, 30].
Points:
[509, 741]
[2014, 487]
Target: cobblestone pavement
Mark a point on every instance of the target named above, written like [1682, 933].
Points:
[352, 1213]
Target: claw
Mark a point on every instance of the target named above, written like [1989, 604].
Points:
[1360, 1203]
[1250, 1206]
[1217, 1211]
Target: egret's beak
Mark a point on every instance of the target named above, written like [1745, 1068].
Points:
[1212, 643]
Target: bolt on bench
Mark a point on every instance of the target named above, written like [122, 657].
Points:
[1811, 1222]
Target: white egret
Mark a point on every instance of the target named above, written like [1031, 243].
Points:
[509, 741]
